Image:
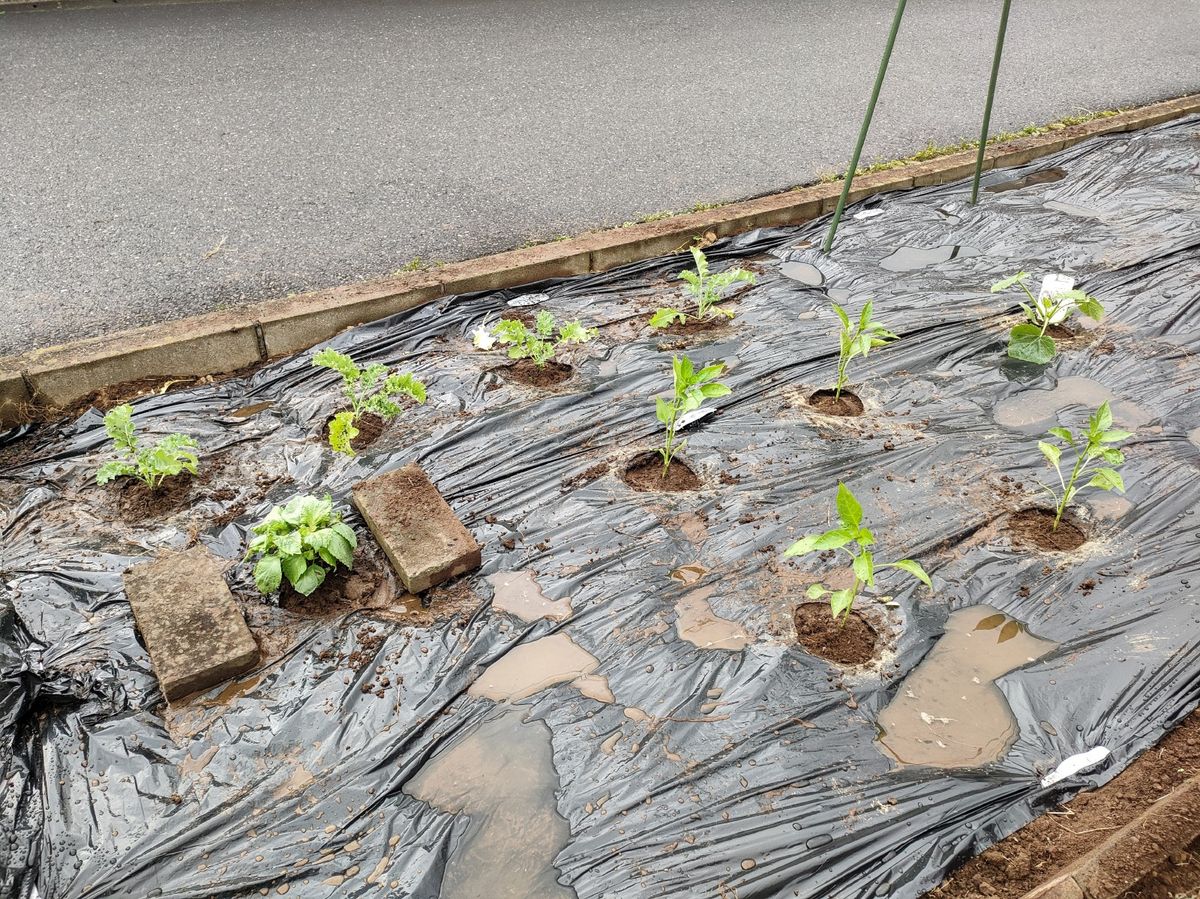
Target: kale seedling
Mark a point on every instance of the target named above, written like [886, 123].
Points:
[857, 340]
[368, 390]
[1090, 447]
[301, 541]
[692, 388]
[538, 343]
[705, 288]
[151, 465]
[1029, 341]
[855, 540]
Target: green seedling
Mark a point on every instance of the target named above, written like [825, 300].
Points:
[1029, 341]
[1091, 448]
[301, 541]
[857, 339]
[538, 343]
[856, 541]
[705, 288]
[368, 390]
[172, 455]
[691, 389]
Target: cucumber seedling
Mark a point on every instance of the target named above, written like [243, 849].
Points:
[172, 455]
[369, 390]
[690, 389]
[1029, 341]
[302, 541]
[856, 541]
[705, 288]
[857, 339]
[1092, 447]
[539, 343]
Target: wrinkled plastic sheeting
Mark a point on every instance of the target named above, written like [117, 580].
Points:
[297, 781]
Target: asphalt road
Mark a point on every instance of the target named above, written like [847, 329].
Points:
[164, 160]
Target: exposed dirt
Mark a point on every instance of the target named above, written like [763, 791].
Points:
[370, 428]
[853, 643]
[526, 372]
[848, 405]
[1036, 852]
[1035, 527]
[694, 326]
[599, 470]
[137, 502]
[645, 472]
[1179, 880]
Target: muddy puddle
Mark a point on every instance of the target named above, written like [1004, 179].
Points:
[697, 623]
[517, 593]
[949, 712]
[535, 666]
[501, 776]
[803, 272]
[1045, 176]
[1036, 411]
[911, 259]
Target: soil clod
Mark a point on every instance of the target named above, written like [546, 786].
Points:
[530, 374]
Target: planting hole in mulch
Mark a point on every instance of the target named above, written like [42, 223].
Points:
[1036, 527]
[848, 405]
[645, 472]
[852, 643]
[137, 502]
[370, 428]
[527, 372]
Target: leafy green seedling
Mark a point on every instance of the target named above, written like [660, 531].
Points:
[538, 343]
[691, 389]
[857, 339]
[301, 541]
[1091, 447]
[151, 465]
[705, 288]
[856, 541]
[1029, 341]
[368, 390]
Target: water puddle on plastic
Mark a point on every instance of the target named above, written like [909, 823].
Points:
[806, 274]
[1035, 411]
[949, 711]
[247, 411]
[532, 667]
[1071, 209]
[697, 623]
[517, 593]
[1045, 176]
[689, 574]
[909, 259]
[501, 775]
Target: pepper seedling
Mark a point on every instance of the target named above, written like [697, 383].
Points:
[1091, 446]
[691, 389]
[856, 541]
[857, 339]
[538, 343]
[301, 541]
[705, 288]
[1029, 341]
[368, 390]
[172, 455]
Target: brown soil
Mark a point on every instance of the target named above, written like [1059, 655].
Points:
[1036, 852]
[526, 372]
[1061, 332]
[695, 326]
[370, 428]
[853, 643]
[644, 472]
[137, 502]
[1179, 880]
[1035, 527]
[848, 405]
[599, 470]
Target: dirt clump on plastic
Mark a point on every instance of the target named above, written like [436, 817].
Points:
[529, 373]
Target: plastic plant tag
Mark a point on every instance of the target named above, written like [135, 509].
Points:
[536, 299]
[1072, 765]
[1055, 285]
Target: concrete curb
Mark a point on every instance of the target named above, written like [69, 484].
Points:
[35, 384]
[1133, 852]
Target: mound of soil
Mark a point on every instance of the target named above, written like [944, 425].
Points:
[137, 502]
[645, 472]
[694, 326]
[848, 405]
[1035, 527]
[852, 643]
[526, 372]
[370, 428]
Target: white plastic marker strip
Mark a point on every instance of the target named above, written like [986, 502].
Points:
[1072, 765]
[1053, 285]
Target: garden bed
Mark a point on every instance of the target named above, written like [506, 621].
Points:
[643, 719]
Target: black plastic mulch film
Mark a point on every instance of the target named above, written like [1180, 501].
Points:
[748, 768]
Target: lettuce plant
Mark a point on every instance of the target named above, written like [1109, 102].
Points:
[705, 288]
[368, 390]
[1091, 447]
[538, 343]
[1029, 341]
[691, 389]
[857, 339]
[856, 541]
[172, 455]
[301, 541]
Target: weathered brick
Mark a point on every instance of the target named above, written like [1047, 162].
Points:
[418, 530]
[193, 629]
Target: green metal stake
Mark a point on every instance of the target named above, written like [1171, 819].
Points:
[866, 126]
[987, 109]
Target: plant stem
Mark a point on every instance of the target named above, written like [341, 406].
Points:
[1062, 505]
[845, 616]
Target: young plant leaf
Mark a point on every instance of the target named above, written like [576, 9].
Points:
[1027, 343]
[848, 507]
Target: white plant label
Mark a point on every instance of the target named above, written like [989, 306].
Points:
[1073, 764]
[1053, 285]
